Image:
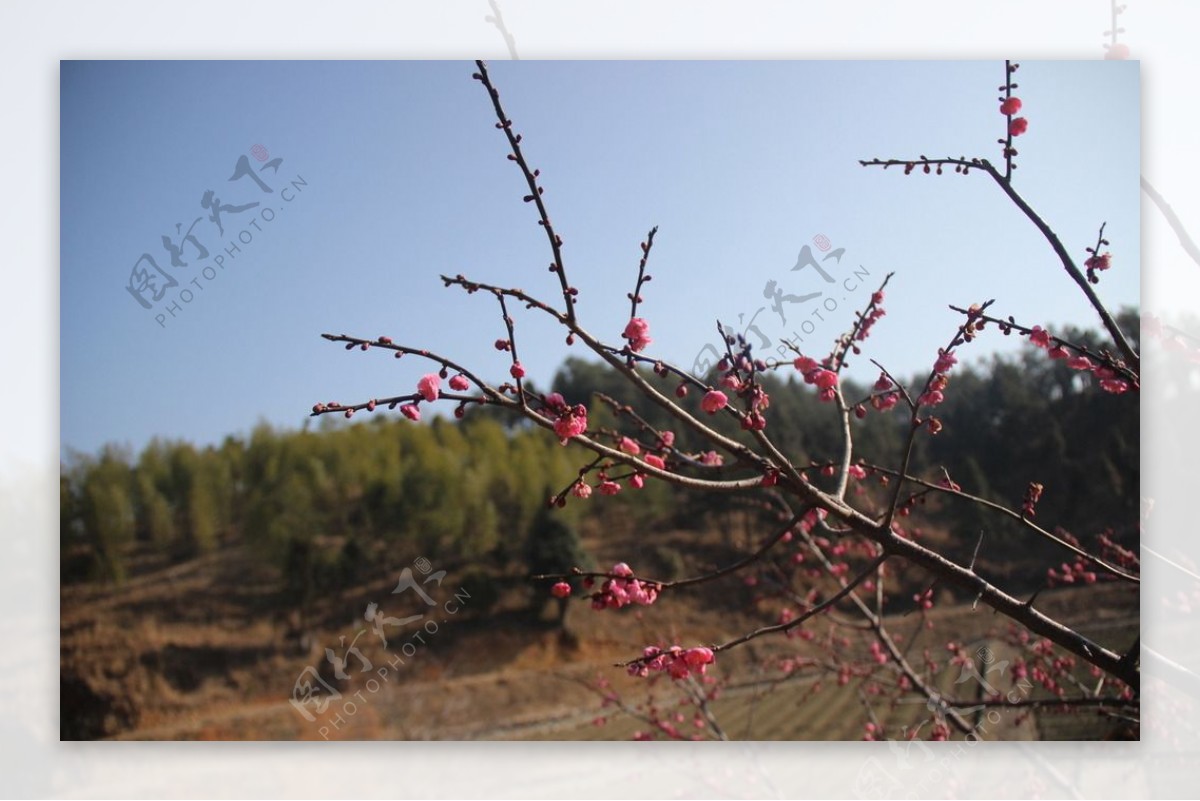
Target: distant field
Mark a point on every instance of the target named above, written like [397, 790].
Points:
[201, 650]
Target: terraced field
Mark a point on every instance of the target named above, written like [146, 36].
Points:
[201, 651]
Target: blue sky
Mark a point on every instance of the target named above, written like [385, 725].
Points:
[395, 174]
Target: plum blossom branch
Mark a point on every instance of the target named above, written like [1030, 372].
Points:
[491, 395]
[1130, 355]
[733, 567]
[611, 356]
[1038, 703]
[883, 540]
[510, 344]
[1113, 48]
[961, 164]
[635, 297]
[535, 190]
[783, 627]
[1009, 106]
[1097, 263]
[1003, 510]
[875, 621]
[1019, 611]
[863, 322]
[1016, 126]
[1185, 240]
[930, 395]
[1042, 338]
[497, 19]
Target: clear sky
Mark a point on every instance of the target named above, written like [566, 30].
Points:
[393, 172]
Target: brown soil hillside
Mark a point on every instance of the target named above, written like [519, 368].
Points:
[211, 648]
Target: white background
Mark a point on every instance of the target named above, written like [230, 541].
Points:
[35, 36]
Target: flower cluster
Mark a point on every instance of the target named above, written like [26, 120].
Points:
[1033, 494]
[623, 589]
[1074, 573]
[737, 376]
[886, 394]
[810, 520]
[569, 421]
[429, 387]
[1108, 379]
[1010, 106]
[1113, 552]
[1044, 667]
[637, 332]
[1097, 262]
[945, 360]
[679, 663]
[872, 317]
[934, 392]
[580, 489]
[817, 374]
[934, 395]
[1100, 263]
[714, 401]
[1016, 125]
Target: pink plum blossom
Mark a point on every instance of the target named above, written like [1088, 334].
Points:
[1080, 363]
[429, 386]
[571, 422]
[945, 361]
[637, 331]
[714, 401]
